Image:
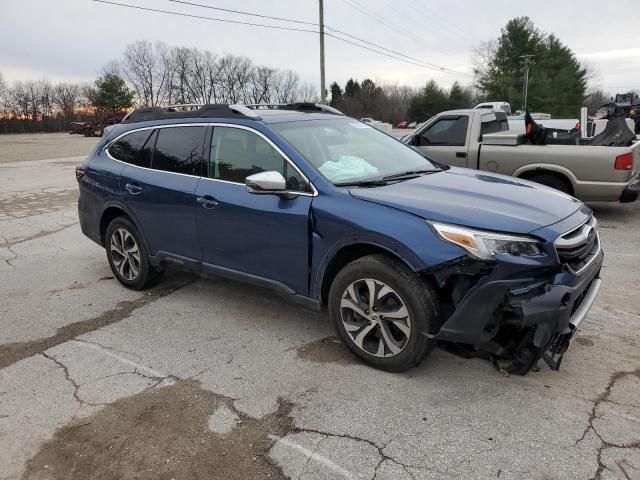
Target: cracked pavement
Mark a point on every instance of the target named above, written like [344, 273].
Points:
[213, 379]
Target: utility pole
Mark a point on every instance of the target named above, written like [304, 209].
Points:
[323, 91]
[527, 60]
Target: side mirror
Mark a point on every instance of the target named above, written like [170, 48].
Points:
[415, 140]
[266, 183]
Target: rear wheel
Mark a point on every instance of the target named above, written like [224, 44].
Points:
[381, 311]
[552, 181]
[127, 255]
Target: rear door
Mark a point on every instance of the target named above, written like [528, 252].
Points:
[259, 238]
[445, 140]
[160, 190]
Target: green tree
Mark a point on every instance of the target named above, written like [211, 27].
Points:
[432, 99]
[110, 94]
[557, 80]
[336, 95]
[460, 97]
[352, 88]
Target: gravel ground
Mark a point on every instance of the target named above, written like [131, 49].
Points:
[213, 379]
[38, 146]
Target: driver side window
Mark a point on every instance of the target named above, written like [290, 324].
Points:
[446, 131]
[237, 153]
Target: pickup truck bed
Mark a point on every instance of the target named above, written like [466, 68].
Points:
[465, 138]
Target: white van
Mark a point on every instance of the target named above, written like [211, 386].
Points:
[496, 106]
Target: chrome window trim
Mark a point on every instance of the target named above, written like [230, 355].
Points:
[313, 193]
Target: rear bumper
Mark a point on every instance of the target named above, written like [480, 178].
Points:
[631, 193]
[521, 320]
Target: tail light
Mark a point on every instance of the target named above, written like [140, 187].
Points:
[80, 171]
[624, 162]
[577, 127]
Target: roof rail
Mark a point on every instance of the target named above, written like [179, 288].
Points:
[244, 110]
[190, 110]
[298, 106]
[184, 107]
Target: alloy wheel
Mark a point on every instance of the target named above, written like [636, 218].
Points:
[125, 254]
[375, 317]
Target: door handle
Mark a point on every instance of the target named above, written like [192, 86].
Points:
[133, 188]
[207, 201]
[461, 154]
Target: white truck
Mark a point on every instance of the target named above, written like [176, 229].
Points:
[480, 139]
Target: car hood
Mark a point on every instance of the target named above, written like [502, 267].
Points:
[475, 199]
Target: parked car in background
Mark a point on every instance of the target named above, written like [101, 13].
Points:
[480, 139]
[403, 124]
[325, 210]
[412, 125]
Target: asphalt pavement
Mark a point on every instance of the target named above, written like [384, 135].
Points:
[214, 379]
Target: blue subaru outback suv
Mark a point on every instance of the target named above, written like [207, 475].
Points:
[325, 210]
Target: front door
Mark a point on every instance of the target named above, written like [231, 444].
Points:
[445, 140]
[257, 237]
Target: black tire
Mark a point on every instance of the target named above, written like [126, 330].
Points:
[147, 275]
[418, 297]
[552, 181]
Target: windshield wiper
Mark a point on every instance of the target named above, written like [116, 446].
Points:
[409, 173]
[379, 182]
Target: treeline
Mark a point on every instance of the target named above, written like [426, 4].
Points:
[41, 105]
[163, 75]
[394, 103]
[156, 74]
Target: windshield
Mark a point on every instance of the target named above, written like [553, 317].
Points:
[347, 151]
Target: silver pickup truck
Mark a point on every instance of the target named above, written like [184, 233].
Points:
[481, 140]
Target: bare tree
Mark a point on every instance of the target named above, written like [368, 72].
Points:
[145, 67]
[261, 84]
[66, 97]
[307, 93]
[285, 86]
[204, 78]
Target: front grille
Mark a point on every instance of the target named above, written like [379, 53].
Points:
[577, 248]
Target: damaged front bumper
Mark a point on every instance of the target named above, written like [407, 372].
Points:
[516, 319]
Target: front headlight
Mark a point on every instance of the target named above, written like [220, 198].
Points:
[485, 245]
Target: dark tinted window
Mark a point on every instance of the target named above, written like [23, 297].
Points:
[493, 123]
[237, 154]
[134, 148]
[446, 131]
[179, 149]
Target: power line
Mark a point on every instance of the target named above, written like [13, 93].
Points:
[426, 64]
[387, 55]
[445, 22]
[202, 17]
[395, 52]
[356, 6]
[314, 24]
[278, 27]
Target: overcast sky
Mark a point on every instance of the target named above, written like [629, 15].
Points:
[73, 39]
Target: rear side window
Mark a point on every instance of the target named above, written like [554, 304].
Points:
[179, 150]
[134, 148]
[446, 131]
[237, 153]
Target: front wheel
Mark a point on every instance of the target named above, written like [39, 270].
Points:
[382, 310]
[127, 255]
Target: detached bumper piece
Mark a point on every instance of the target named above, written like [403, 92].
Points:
[631, 193]
[518, 321]
[560, 341]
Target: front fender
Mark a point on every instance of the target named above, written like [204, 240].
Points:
[339, 221]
